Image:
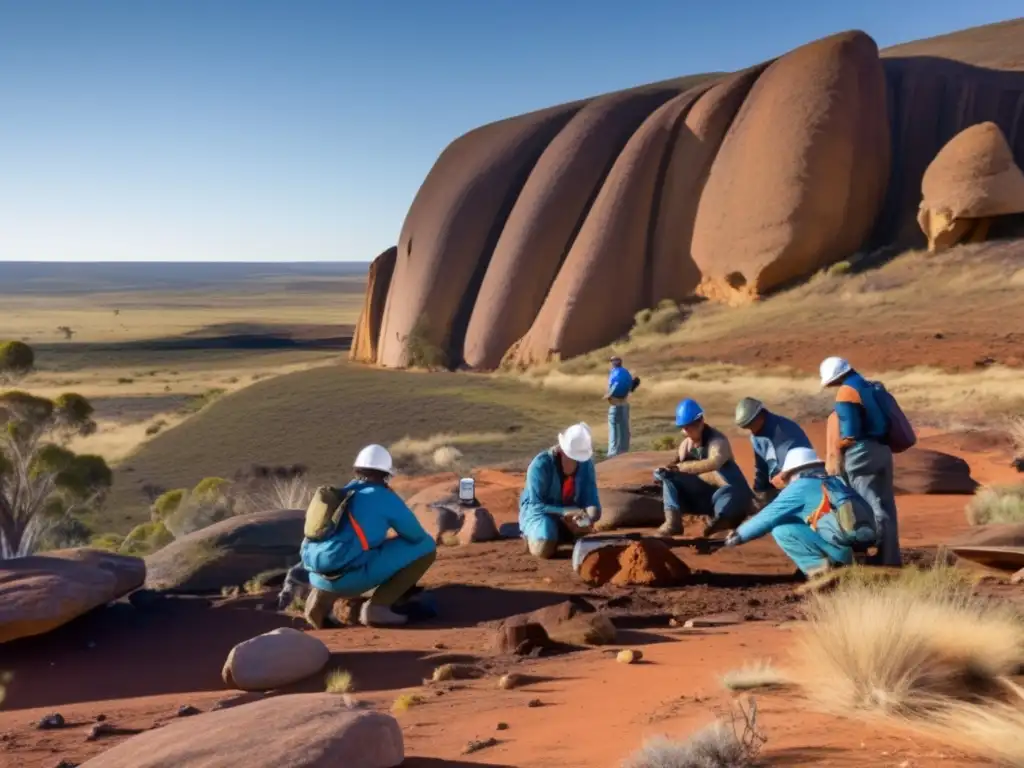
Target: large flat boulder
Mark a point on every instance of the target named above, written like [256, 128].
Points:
[298, 731]
[43, 592]
[1009, 535]
[921, 470]
[228, 553]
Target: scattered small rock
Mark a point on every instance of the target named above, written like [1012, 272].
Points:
[456, 672]
[477, 744]
[502, 726]
[520, 639]
[674, 622]
[717, 620]
[440, 647]
[67, 764]
[188, 710]
[100, 718]
[534, 703]
[100, 730]
[629, 656]
[510, 681]
[52, 722]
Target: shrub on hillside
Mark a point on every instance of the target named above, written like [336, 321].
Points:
[167, 502]
[723, 744]
[16, 360]
[145, 539]
[111, 542]
[997, 504]
[423, 352]
[662, 319]
[210, 488]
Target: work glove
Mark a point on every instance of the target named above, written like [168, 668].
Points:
[732, 540]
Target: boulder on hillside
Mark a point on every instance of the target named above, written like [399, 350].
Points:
[228, 553]
[648, 563]
[366, 335]
[314, 730]
[273, 660]
[921, 470]
[42, 592]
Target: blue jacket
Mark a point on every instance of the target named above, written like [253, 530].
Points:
[376, 510]
[777, 437]
[797, 502]
[860, 416]
[620, 382]
[543, 492]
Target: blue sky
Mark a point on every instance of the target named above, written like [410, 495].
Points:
[300, 129]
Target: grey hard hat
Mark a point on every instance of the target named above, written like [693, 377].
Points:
[747, 410]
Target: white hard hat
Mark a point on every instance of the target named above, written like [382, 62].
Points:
[832, 368]
[577, 443]
[374, 457]
[800, 458]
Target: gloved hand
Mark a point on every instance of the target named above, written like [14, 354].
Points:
[733, 540]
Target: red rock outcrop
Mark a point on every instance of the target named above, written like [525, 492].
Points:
[367, 330]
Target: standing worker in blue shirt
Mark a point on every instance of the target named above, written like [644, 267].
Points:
[772, 437]
[864, 457]
[621, 385]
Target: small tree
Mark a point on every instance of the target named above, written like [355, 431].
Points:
[42, 483]
[16, 359]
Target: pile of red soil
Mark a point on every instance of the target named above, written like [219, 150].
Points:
[646, 563]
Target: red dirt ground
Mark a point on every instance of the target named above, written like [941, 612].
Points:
[136, 667]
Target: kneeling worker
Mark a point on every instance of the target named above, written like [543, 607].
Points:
[817, 520]
[772, 437]
[560, 500]
[359, 557]
[706, 480]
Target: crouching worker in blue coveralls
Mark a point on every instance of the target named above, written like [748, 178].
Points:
[560, 500]
[359, 556]
[817, 520]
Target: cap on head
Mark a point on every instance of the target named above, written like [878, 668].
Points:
[687, 412]
[375, 457]
[615, 360]
[800, 458]
[747, 410]
[577, 443]
[832, 369]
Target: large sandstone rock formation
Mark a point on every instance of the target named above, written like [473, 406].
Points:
[540, 237]
[313, 730]
[43, 592]
[972, 180]
[228, 553]
[367, 330]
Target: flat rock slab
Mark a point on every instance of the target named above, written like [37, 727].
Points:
[43, 592]
[1007, 535]
[717, 620]
[314, 730]
[1010, 559]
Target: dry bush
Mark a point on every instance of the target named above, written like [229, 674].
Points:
[437, 453]
[997, 504]
[1017, 435]
[756, 676]
[665, 443]
[339, 681]
[723, 744]
[937, 657]
[662, 319]
[407, 701]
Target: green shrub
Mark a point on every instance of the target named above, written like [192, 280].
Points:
[839, 268]
[16, 359]
[111, 542]
[665, 443]
[997, 504]
[663, 319]
[146, 538]
[423, 352]
[167, 503]
[210, 488]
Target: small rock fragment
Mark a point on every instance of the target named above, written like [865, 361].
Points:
[456, 672]
[477, 744]
[510, 681]
[100, 730]
[100, 718]
[502, 726]
[67, 764]
[51, 722]
[534, 703]
[629, 656]
[188, 710]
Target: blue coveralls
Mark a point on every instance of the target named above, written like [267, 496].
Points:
[540, 504]
[360, 550]
[777, 437]
[867, 463]
[620, 384]
[691, 494]
[787, 519]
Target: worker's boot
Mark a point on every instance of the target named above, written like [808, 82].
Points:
[673, 525]
[372, 615]
[319, 604]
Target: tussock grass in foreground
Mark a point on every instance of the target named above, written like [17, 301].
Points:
[997, 504]
[936, 658]
[407, 701]
[756, 676]
[437, 453]
[339, 681]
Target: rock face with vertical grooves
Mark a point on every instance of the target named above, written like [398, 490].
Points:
[801, 175]
[541, 236]
[367, 330]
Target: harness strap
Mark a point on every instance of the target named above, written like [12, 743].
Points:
[823, 509]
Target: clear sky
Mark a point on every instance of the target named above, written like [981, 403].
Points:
[300, 129]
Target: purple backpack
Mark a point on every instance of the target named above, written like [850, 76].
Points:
[900, 435]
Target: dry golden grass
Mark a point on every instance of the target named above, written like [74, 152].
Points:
[437, 453]
[407, 701]
[922, 650]
[758, 675]
[1016, 430]
[339, 681]
[996, 504]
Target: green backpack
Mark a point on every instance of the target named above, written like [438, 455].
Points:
[326, 512]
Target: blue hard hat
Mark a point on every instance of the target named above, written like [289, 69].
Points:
[687, 412]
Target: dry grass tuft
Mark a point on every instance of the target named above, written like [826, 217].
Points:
[437, 453]
[407, 701]
[756, 676]
[339, 681]
[924, 650]
[1017, 435]
[997, 504]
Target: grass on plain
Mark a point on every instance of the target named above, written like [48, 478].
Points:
[437, 453]
[997, 504]
[759, 675]
[923, 651]
[407, 701]
[339, 681]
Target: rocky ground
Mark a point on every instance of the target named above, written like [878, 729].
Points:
[134, 668]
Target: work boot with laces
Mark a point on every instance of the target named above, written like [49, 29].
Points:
[371, 615]
[673, 525]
